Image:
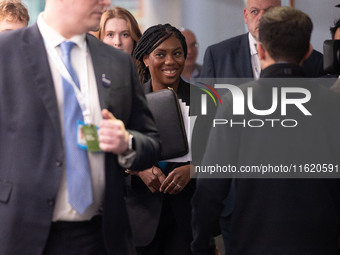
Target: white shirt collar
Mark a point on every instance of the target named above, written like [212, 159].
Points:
[54, 38]
[252, 43]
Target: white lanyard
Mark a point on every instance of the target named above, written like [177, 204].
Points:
[82, 96]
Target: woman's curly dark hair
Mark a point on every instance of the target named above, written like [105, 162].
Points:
[149, 41]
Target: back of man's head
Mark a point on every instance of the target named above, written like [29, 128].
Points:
[13, 11]
[285, 34]
[334, 30]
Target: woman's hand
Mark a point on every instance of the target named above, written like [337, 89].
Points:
[176, 180]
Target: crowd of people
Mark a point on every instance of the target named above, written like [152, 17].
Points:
[80, 167]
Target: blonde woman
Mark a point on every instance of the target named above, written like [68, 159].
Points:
[119, 29]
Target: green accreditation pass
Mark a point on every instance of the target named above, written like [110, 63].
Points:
[90, 135]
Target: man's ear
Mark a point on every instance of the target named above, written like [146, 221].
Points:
[264, 57]
[146, 60]
[308, 53]
[245, 15]
[261, 51]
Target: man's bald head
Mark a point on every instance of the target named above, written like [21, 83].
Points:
[254, 11]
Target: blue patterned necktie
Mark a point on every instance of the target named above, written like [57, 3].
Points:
[77, 163]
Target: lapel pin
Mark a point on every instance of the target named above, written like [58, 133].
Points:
[105, 81]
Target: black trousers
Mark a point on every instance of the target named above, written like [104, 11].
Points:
[76, 238]
[169, 238]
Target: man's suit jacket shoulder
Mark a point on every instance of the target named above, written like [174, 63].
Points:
[231, 59]
[228, 59]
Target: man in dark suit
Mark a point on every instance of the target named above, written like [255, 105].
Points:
[237, 56]
[283, 212]
[40, 84]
